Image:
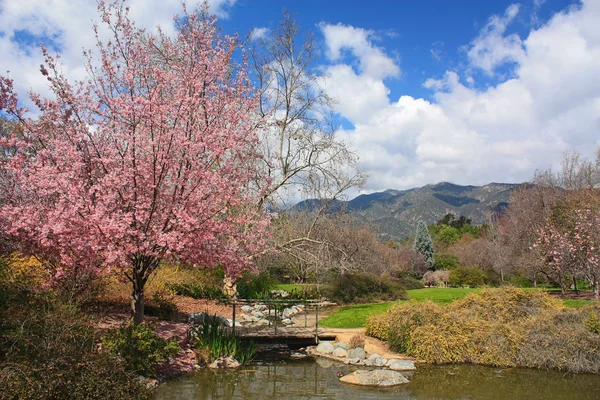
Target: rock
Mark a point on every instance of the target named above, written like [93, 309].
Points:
[391, 361]
[247, 308]
[341, 345]
[355, 360]
[257, 314]
[298, 355]
[358, 352]
[380, 362]
[151, 384]
[325, 348]
[261, 307]
[262, 322]
[288, 312]
[403, 365]
[373, 357]
[378, 377]
[287, 321]
[224, 362]
[339, 352]
[198, 318]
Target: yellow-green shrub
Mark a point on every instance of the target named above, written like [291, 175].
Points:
[501, 327]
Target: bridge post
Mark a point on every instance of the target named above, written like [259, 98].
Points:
[317, 324]
[233, 318]
[275, 319]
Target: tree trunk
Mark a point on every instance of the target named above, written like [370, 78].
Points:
[574, 284]
[501, 275]
[597, 290]
[535, 281]
[137, 305]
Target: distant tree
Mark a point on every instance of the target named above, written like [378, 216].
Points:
[423, 244]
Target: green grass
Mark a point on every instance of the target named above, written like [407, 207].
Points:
[288, 287]
[577, 303]
[354, 316]
[440, 295]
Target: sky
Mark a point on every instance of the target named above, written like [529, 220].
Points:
[465, 91]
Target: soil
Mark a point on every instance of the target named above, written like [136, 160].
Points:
[372, 345]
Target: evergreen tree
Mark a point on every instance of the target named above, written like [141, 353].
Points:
[423, 244]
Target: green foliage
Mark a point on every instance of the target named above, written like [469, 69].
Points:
[467, 276]
[161, 307]
[364, 288]
[410, 283]
[444, 261]
[446, 235]
[215, 340]
[593, 322]
[196, 291]
[423, 244]
[354, 316]
[255, 286]
[139, 347]
[48, 351]
[505, 327]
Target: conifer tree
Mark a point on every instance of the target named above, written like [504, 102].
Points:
[423, 244]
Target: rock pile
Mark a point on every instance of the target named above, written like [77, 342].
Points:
[260, 314]
[358, 356]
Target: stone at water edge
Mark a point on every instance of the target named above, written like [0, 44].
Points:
[391, 361]
[287, 321]
[325, 348]
[339, 352]
[380, 361]
[341, 345]
[403, 365]
[378, 377]
[247, 308]
[224, 362]
[373, 357]
[358, 352]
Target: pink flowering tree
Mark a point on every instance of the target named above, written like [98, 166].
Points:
[586, 242]
[557, 252]
[152, 157]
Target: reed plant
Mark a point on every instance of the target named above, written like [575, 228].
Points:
[210, 337]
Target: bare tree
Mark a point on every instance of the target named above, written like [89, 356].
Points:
[303, 155]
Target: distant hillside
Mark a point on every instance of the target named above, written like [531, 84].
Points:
[394, 213]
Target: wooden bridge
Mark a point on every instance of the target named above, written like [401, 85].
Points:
[305, 331]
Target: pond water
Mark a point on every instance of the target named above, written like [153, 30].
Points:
[281, 379]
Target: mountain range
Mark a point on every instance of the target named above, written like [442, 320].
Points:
[394, 214]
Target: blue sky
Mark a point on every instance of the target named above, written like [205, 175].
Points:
[470, 92]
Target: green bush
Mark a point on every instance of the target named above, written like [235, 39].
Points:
[48, 351]
[255, 286]
[444, 261]
[139, 347]
[196, 291]
[467, 276]
[212, 340]
[410, 283]
[364, 288]
[161, 307]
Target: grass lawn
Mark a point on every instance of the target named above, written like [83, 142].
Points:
[355, 316]
[288, 287]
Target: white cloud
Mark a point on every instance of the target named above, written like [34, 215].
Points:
[470, 135]
[69, 24]
[491, 48]
[258, 33]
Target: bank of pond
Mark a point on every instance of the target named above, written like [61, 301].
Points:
[280, 377]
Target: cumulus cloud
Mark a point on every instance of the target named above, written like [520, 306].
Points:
[65, 27]
[258, 33]
[502, 132]
[492, 48]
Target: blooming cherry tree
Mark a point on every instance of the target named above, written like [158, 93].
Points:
[152, 157]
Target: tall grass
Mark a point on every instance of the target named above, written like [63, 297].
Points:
[218, 341]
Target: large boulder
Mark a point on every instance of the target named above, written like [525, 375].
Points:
[379, 361]
[403, 365]
[358, 352]
[325, 348]
[373, 357]
[339, 352]
[378, 377]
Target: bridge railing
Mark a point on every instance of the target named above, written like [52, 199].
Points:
[274, 303]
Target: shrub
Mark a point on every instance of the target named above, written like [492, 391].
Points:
[196, 291]
[364, 288]
[139, 347]
[467, 276]
[255, 286]
[444, 261]
[409, 283]
[502, 327]
[161, 307]
[48, 351]
[212, 340]
[356, 341]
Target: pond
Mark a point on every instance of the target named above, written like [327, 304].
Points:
[282, 378]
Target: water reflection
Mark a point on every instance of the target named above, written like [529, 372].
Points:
[310, 379]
